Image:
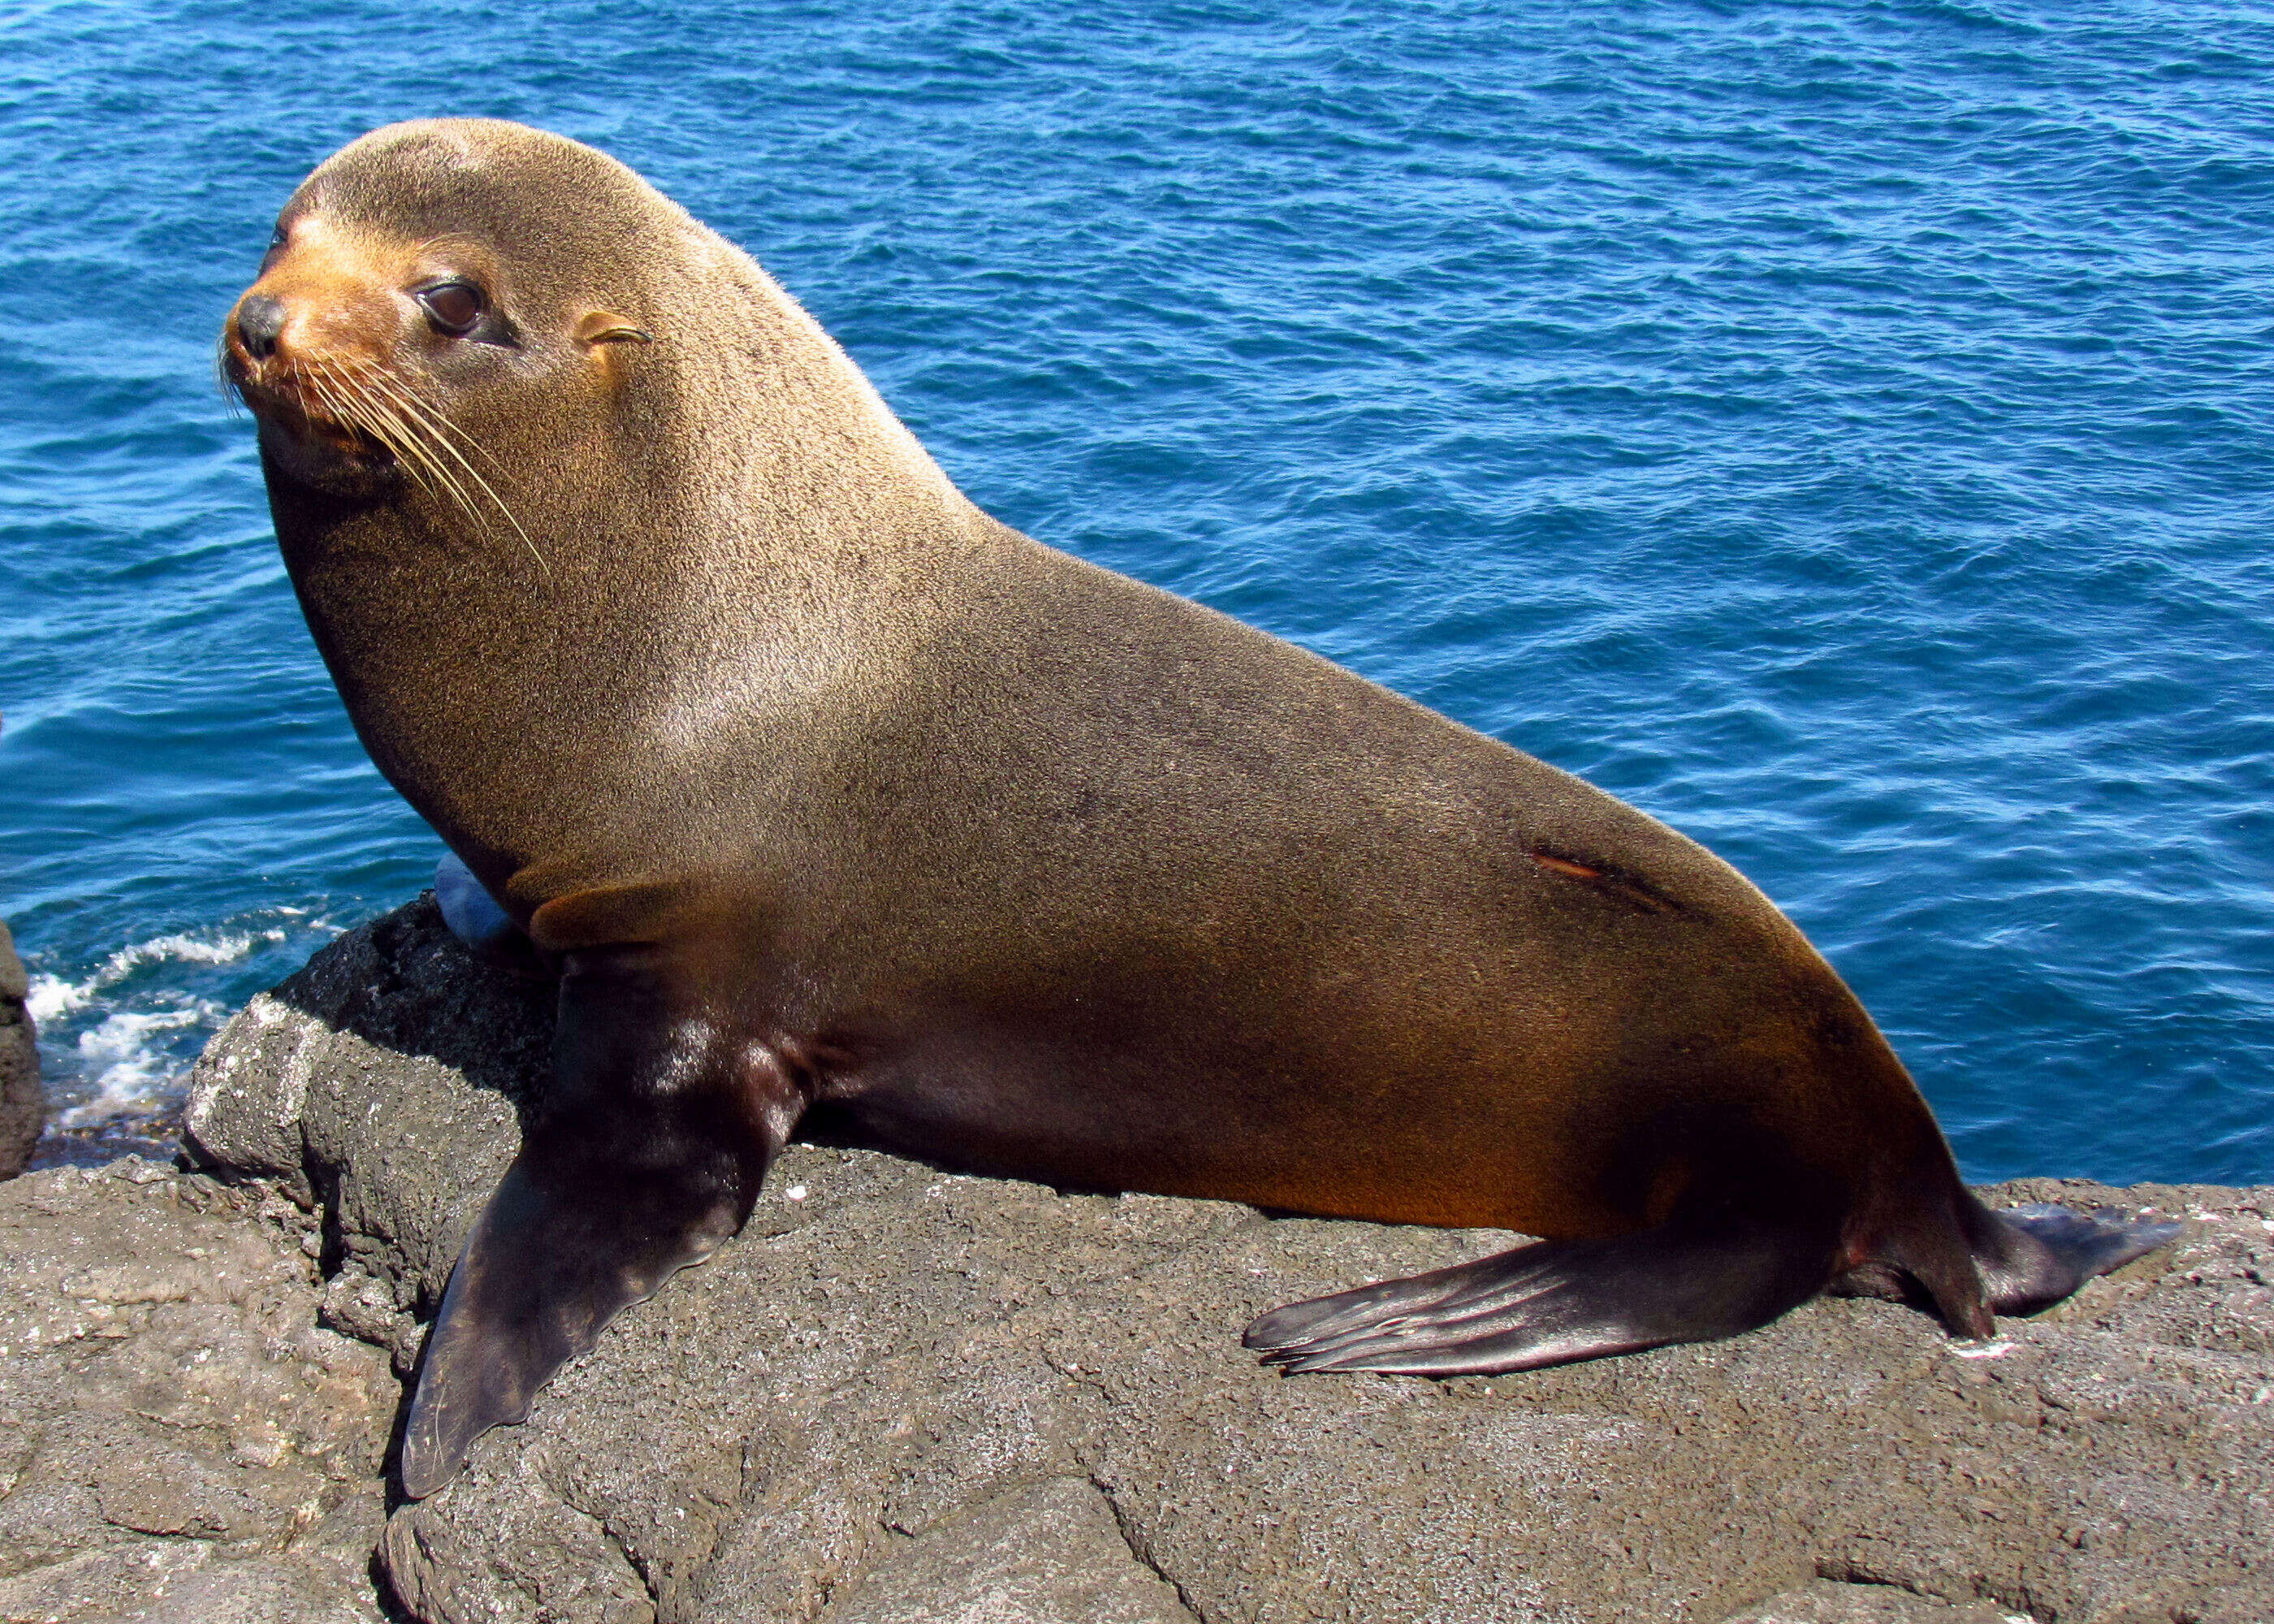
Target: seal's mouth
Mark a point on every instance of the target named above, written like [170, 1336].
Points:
[347, 423]
[293, 408]
[308, 401]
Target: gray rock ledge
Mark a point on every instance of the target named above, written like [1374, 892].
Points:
[904, 1394]
[179, 1440]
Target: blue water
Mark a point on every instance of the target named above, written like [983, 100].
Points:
[1846, 432]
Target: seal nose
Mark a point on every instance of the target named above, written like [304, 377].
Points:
[260, 324]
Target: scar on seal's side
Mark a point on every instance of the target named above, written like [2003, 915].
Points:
[819, 788]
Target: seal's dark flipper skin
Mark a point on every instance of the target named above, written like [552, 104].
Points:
[2032, 1257]
[647, 1155]
[552, 1259]
[1969, 1262]
[1553, 1303]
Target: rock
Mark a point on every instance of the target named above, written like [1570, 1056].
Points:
[381, 1082]
[23, 1103]
[179, 1440]
[1826, 1602]
[905, 1394]
[1036, 1555]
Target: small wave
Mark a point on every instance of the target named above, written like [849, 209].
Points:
[119, 1036]
[129, 1065]
[51, 998]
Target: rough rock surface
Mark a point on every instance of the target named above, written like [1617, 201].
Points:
[179, 1440]
[904, 1394]
[23, 1103]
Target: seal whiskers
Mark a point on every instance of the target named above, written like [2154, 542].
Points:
[420, 432]
[347, 404]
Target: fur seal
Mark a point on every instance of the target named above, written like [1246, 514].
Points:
[820, 789]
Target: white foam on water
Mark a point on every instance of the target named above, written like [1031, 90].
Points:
[51, 998]
[128, 1063]
[127, 1056]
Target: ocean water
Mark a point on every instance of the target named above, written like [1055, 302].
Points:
[1845, 432]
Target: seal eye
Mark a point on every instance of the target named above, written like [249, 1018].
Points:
[453, 307]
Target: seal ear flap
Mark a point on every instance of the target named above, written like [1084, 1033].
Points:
[604, 327]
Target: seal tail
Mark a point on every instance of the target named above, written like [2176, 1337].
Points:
[1556, 1302]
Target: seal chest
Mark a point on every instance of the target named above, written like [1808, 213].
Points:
[815, 786]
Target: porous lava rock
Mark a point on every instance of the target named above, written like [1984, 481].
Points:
[907, 1395]
[23, 1103]
[179, 1440]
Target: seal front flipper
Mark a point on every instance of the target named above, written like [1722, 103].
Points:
[1555, 1301]
[647, 1155]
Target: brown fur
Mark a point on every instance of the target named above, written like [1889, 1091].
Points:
[1001, 858]
[917, 760]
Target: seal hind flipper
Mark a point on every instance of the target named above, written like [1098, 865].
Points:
[2070, 1250]
[2033, 1257]
[1555, 1303]
[1969, 1262]
[646, 1158]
